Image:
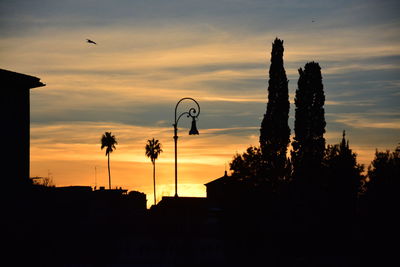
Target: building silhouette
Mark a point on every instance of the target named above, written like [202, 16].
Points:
[217, 189]
[15, 108]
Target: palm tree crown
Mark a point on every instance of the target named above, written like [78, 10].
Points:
[153, 149]
[109, 141]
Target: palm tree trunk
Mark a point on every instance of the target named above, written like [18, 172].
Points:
[109, 174]
[154, 181]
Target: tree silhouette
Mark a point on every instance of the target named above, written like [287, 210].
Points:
[153, 150]
[344, 176]
[384, 178]
[248, 164]
[309, 141]
[108, 141]
[382, 202]
[275, 132]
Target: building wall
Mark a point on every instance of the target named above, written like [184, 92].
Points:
[16, 133]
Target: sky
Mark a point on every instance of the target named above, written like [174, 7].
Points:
[150, 54]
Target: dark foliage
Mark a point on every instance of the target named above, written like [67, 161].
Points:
[380, 206]
[309, 141]
[275, 132]
[344, 178]
[247, 165]
[384, 177]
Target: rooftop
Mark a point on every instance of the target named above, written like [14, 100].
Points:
[19, 80]
[221, 180]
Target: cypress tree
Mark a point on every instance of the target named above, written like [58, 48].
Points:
[275, 132]
[309, 141]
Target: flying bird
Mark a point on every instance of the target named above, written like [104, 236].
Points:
[90, 41]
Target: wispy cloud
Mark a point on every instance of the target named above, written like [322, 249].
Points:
[369, 121]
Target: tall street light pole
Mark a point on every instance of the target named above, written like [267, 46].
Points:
[193, 113]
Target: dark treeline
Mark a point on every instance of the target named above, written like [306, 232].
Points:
[317, 207]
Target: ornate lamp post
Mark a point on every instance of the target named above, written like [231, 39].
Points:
[193, 113]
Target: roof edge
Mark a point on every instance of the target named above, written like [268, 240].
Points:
[19, 79]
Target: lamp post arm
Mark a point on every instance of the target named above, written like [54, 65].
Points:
[184, 113]
[191, 110]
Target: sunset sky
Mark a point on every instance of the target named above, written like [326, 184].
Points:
[152, 53]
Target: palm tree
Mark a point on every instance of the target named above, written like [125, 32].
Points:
[153, 149]
[108, 141]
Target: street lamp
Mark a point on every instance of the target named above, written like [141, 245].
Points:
[193, 113]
